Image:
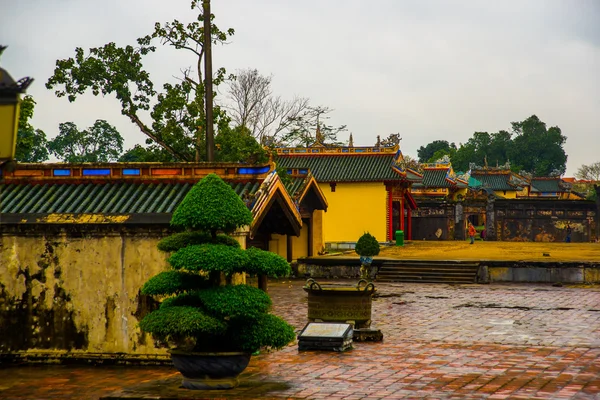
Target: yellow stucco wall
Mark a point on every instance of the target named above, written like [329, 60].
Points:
[510, 194]
[318, 240]
[353, 209]
[278, 245]
[300, 243]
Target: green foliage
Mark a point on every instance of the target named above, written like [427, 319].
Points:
[268, 331]
[32, 145]
[152, 153]
[183, 239]
[180, 322]
[538, 150]
[211, 205]
[285, 178]
[267, 263]
[171, 282]
[210, 257]
[367, 245]
[427, 153]
[530, 147]
[177, 117]
[238, 145]
[99, 143]
[235, 302]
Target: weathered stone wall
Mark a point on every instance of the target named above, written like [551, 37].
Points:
[77, 293]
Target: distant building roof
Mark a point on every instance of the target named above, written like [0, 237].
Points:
[343, 164]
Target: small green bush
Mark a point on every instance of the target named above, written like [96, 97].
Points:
[202, 315]
[367, 245]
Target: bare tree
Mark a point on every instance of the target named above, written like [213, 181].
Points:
[589, 172]
[254, 106]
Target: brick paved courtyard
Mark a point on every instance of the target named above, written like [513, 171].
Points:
[509, 341]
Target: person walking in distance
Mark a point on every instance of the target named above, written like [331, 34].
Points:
[471, 232]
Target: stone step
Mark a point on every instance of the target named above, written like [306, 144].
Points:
[428, 271]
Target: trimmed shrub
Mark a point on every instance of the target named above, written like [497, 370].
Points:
[202, 315]
[367, 245]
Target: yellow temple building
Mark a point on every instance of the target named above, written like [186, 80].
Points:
[367, 189]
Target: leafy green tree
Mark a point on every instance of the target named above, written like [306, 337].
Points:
[238, 145]
[177, 113]
[483, 149]
[99, 143]
[538, 150]
[152, 153]
[428, 152]
[32, 145]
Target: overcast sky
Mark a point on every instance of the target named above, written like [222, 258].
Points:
[427, 69]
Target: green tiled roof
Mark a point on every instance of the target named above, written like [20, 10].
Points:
[546, 185]
[434, 178]
[100, 198]
[295, 186]
[494, 181]
[347, 168]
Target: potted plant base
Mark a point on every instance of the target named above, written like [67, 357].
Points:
[207, 371]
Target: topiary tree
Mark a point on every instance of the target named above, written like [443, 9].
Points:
[198, 313]
[366, 247]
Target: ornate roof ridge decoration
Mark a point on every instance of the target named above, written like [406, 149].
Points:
[341, 151]
[180, 171]
[402, 165]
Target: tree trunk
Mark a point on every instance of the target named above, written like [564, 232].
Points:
[208, 87]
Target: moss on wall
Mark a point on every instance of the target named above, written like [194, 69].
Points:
[76, 293]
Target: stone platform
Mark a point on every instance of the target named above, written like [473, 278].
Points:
[496, 341]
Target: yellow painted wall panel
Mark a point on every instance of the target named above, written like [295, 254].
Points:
[354, 208]
[300, 243]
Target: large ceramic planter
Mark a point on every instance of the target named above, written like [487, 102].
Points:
[203, 371]
[340, 303]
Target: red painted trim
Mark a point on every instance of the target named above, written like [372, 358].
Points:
[390, 213]
[402, 213]
[408, 234]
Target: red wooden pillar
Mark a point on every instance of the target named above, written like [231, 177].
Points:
[402, 211]
[408, 234]
[390, 213]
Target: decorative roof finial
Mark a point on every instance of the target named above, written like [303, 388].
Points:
[351, 142]
[319, 139]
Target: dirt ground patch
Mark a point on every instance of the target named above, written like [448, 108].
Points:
[510, 251]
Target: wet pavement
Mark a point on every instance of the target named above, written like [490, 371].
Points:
[498, 341]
